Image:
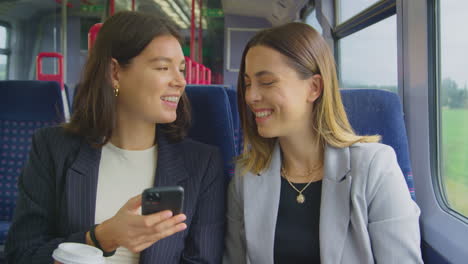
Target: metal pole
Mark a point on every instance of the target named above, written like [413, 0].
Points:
[192, 32]
[111, 7]
[64, 38]
[200, 34]
[66, 108]
[133, 5]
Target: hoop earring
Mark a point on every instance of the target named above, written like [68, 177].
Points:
[116, 89]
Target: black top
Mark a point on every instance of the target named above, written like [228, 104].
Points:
[297, 225]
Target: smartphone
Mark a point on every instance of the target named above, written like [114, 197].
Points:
[158, 199]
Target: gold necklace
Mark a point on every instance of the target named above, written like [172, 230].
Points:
[300, 197]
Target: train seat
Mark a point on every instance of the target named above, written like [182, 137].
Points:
[212, 121]
[380, 112]
[371, 112]
[24, 107]
[70, 96]
[232, 95]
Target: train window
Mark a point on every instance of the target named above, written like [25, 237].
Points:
[3, 37]
[3, 66]
[349, 8]
[122, 5]
[368, 58]
[311, 20]
[4, 51]
[453, 104]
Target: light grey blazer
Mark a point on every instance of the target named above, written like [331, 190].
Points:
[366, 212]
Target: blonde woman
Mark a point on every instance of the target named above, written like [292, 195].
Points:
[307, 188]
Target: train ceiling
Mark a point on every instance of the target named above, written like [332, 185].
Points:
[177, 10]
[275, 11]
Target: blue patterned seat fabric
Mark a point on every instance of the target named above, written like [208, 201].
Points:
[370, 112]
[380, 112]
[70, 96]
[238, 141]
[25, 106]
[212, 121]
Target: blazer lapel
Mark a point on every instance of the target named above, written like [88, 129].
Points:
[170, 167]
[261, 202]
[335, 204]
[170, 171]
[81, 188]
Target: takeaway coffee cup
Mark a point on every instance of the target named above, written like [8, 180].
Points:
[76, 253]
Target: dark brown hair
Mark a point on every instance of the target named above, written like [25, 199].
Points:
[122, 37]
[308, 54]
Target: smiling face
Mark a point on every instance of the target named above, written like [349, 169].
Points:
[280, 100]
[151, 85]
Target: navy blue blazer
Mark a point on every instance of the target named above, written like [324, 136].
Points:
[57, 199]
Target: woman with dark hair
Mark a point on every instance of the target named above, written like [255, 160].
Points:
[82, 179]
[307, 189]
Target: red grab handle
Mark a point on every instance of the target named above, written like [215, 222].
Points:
[188, 70]
[92, 35]
[50, 77]
[202, 73]
[208, 76]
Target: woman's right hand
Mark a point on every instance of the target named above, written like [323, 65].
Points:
[137, 232]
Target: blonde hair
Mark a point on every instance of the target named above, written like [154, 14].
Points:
[308, 54]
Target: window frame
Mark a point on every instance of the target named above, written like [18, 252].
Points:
[372, 15]
[367, 17]
[444, 237]
[7, 50]
[435, 121]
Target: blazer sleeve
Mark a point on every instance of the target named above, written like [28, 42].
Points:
[235, 252]
[393, 215]
[32, 235]
[205, 243]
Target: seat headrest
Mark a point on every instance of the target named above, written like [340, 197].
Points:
[380, 112]
[30, 100]
[212, 121]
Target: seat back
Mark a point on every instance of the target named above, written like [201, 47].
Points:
[380, 112]
[70, 96]
[212, 120]
[232, 95]
[24, 107]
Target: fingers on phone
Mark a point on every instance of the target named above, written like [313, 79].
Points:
[180, 217]
[160, 230]
[169, 223]
[152, 219]
[169, 231]
[134, 203]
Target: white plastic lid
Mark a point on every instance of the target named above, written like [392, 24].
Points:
[76, 253]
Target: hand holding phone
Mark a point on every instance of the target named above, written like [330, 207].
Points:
[127, 228]
[158, 199]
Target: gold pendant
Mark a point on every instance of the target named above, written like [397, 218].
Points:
[300, 198]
